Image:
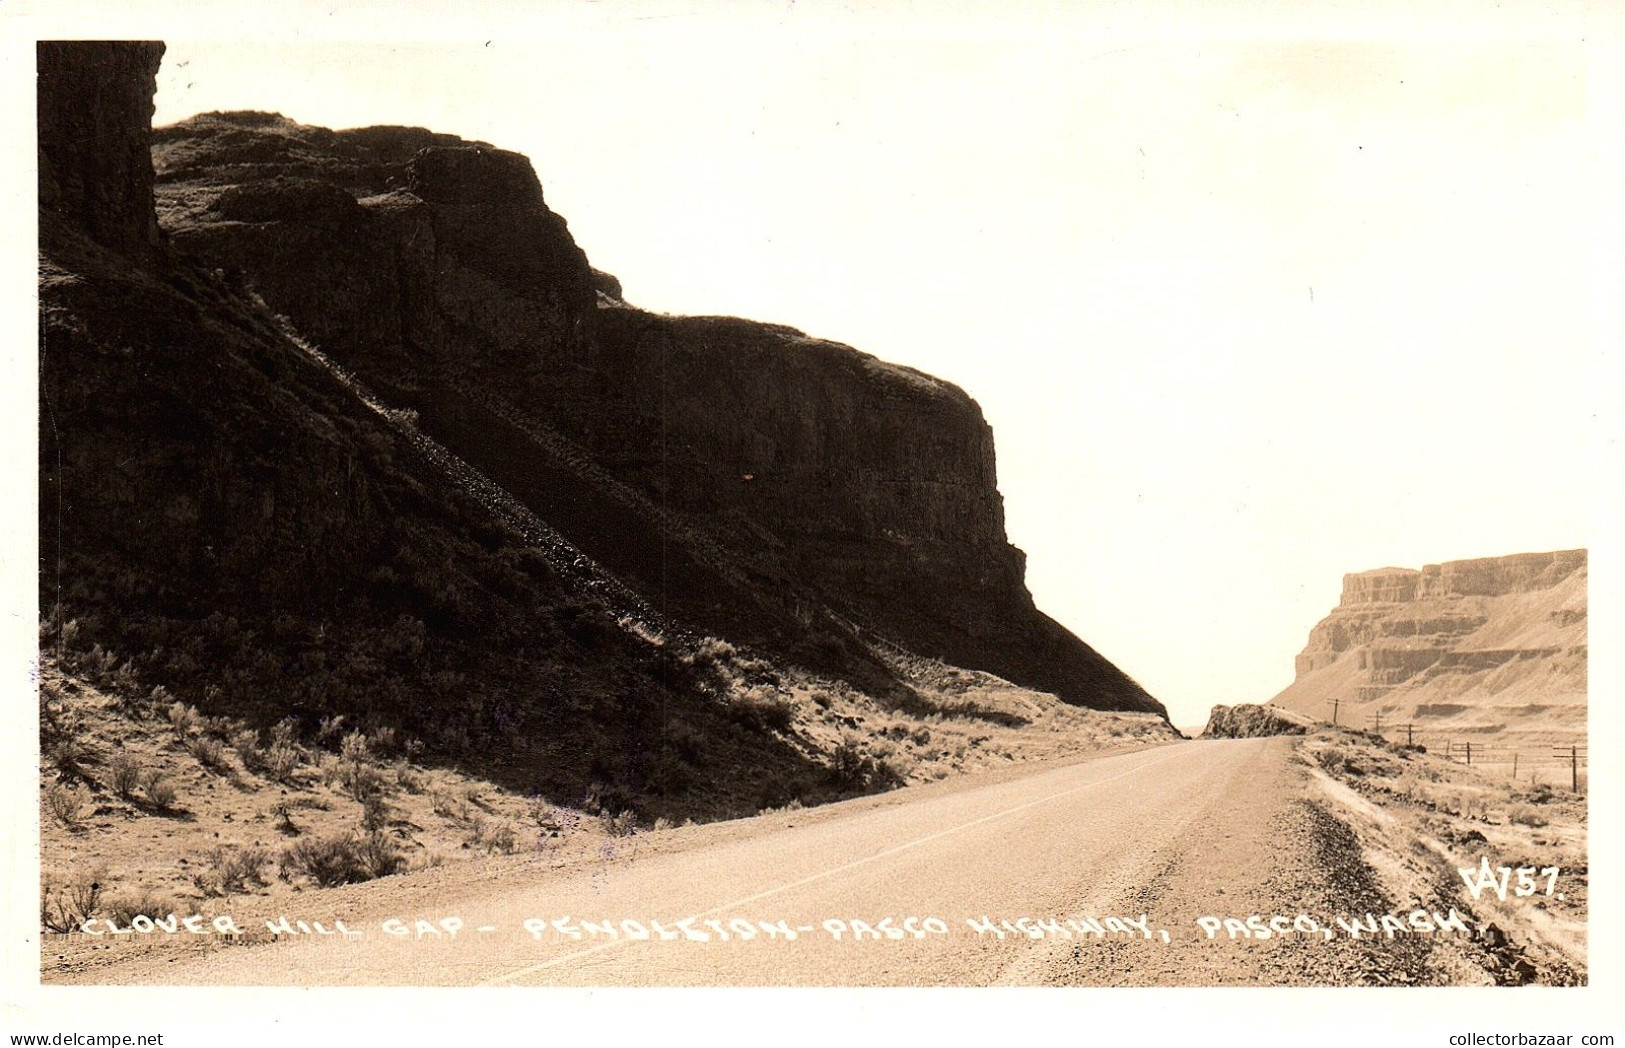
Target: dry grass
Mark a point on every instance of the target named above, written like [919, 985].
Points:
[206, 807]
[1421, 818]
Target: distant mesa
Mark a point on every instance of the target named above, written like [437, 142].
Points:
[1492, 649]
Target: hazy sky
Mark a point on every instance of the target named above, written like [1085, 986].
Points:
[1246, 311]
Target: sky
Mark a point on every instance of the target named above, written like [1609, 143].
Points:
[1244, 314]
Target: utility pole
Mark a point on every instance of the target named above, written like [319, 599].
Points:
[1514, 764]
[1574, 764]
[1335, 703]
[1410, 737]
[1469, 753]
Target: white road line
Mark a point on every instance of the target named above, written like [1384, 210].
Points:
[895, 849]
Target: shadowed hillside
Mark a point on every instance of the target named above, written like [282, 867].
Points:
[352, 430]
[784, 491]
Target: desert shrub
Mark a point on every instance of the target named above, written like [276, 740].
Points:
[711, 651]
[329, 727]
[246, 741]
[887, 773]
[760, 710]
[65, 907]
[409, 779]
[209, 751]
[1539, 793]
[1335, 759]
[849, 766]
[284, 820]
[921, 736]
[494, 836]
[124, 777]
[230, 870]
[64, 805]
[52, 715]
[159, 790]
[285, 732]
[853, 769]
[663, 823]
[278, 761]
[374, 812]
[182, 718]
[68, 756]
[360, 780]
[329, 861]
[620, 824]
[330, 767]
[1527, 815]
[353, 748]
[378, 856]
[124, 908]
[450, 806]
[381, 740]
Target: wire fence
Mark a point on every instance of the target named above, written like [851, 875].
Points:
[1554, 764]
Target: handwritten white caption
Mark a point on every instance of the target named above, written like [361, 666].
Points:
[567, 929]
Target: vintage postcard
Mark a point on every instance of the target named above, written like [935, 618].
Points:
[708, 495]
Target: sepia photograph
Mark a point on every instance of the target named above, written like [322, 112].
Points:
[868, 498]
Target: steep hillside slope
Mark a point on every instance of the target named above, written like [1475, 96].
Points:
[783, 491]
[227, 517]
[1487, 650]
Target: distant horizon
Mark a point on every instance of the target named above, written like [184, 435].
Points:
[1244, 318]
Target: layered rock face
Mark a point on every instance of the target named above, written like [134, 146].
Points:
[762, 484]
[1484, 648]
[95, 169]
[239, 521]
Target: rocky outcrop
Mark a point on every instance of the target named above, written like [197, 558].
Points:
[1489, 647]
[95, 168]
[791, 488]
[1252, 721]
[243, 524]
[403, 253]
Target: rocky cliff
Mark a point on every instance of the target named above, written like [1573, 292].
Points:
[1488, 648]
[95, 169]
[766, 485]
[230, 520]
[357, 431]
